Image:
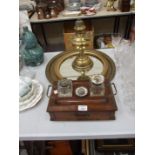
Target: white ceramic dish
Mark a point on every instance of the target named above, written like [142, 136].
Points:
[25, 84]
[28, 95]
[34, 99]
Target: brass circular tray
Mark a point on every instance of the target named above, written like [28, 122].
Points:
[53, 66]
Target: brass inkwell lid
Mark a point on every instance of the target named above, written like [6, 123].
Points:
[80, 63]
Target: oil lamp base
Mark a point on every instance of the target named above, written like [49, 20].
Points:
[82, 63]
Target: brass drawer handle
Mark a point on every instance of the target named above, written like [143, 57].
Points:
[113, 84]
[47, 93]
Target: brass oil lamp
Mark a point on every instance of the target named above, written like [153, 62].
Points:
[80, 41]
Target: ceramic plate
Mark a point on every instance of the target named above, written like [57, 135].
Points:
[28, 95]
[34, 99]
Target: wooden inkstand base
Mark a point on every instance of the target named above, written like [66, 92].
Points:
[88, 107]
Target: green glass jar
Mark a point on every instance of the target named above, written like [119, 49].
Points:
[32, 54]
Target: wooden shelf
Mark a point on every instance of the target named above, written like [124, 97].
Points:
[99, 14]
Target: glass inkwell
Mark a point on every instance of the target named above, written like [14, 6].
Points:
[97, 87]
[65, 88]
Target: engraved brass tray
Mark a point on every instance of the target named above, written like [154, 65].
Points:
[53, 67]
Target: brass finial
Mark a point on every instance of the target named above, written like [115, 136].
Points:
[79, 25]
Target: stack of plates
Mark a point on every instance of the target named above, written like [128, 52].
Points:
[32, 97]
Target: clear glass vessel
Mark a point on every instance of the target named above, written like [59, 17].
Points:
[65, 88]
[90, 3]
[74, 5]
[97, 87]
